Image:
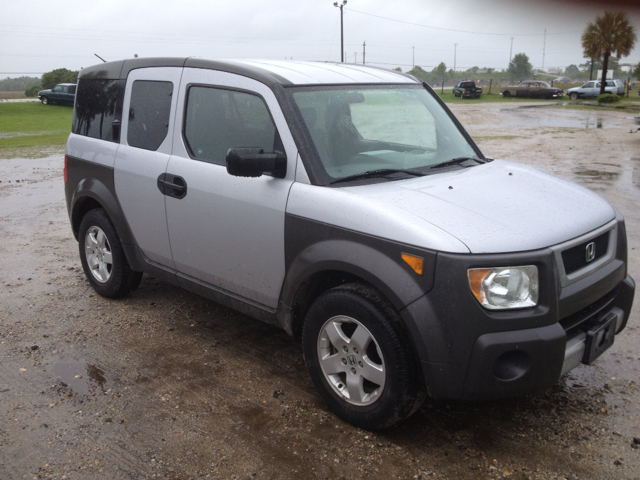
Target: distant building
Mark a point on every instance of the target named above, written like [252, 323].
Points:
[609, 74]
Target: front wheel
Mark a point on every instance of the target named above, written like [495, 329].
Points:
[44, 100]
[360, 359]
[573, 96]
[506, 94]
[102, 257]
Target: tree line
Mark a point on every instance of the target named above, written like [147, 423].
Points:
[31, 85]
[604, 41]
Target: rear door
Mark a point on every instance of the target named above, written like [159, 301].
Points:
[228, 232]
[149, 104]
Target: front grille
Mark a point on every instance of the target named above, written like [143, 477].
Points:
[575, 258]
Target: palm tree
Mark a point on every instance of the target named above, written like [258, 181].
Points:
[610, 34]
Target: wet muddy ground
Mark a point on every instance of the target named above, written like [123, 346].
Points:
[164, 384]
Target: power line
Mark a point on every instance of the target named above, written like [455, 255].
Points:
[459, 31]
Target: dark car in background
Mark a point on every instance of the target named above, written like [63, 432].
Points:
[532, 89]
[61, 93]
[467, 89]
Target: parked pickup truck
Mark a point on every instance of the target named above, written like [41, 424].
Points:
[467, 89]
[61, 93]
[532, 89]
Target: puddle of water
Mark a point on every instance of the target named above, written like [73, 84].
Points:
[635, 176]
[80, 376]
[559, 119]
[597, 175]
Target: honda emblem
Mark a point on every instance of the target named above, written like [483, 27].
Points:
[590, 252]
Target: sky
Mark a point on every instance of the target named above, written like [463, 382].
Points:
[40, 36]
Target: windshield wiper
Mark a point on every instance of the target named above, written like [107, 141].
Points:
[456, 161]
[378, 173]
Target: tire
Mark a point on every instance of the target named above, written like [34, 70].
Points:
[359, 357]
[102, 257]
[506, 94]
[573, 96]
[45, 100]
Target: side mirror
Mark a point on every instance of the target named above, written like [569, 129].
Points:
[253, 162]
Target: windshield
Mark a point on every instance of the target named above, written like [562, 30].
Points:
[357, 130]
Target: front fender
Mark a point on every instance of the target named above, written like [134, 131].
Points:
[312, 247]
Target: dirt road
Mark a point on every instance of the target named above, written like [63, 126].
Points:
[164, 384]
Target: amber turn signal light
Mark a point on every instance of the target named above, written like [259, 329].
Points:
[416, 263]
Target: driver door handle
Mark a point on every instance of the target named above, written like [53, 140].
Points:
[172, 185]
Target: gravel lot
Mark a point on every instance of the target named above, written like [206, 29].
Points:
[165, 384]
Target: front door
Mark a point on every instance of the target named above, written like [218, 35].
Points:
[228, 231]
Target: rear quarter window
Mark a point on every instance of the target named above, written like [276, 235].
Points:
[95, 109]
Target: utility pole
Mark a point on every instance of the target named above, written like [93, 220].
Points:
[414, 56]
[510, 50]
[340, 6]
[364, 45]
[455, 50]
[544, 46]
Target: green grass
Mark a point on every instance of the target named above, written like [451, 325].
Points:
[26, 127]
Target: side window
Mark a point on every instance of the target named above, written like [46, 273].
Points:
[72, 89]
[95, 109]
[57, 88]
[217, 120]
[149, 113]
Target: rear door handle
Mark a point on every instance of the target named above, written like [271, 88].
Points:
[172, 185]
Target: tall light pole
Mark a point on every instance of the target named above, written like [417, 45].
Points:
[340, 6]
[510, 50]
[455, 51]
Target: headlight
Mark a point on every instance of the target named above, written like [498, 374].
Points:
[505, 287]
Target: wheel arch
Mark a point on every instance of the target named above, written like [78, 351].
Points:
[328, 264]
[90, 194]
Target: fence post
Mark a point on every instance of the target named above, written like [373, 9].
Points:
[490, 82]
[628, 86]
[442, 88]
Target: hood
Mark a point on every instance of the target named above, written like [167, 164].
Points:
[495, 207]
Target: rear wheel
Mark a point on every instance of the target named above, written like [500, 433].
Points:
[360, 359]
[102, 257]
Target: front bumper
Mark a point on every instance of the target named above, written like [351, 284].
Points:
[507, 364]
[471, 353]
